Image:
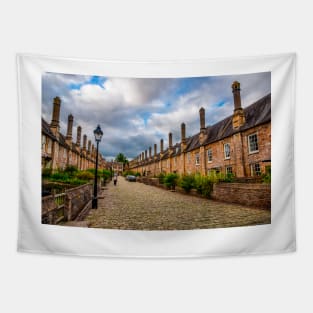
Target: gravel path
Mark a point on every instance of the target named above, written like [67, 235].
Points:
[132, 205]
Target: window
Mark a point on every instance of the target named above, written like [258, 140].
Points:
[227, 150]
[255, 169]
[188, 157]
[253, 143]
[197, 159]
[229, 170]
[210, 157]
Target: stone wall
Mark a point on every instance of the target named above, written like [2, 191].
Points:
[255, 195]
[76, 199]
[68, 206]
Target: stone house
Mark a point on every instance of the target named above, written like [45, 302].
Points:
[59, 151]
[239, 144]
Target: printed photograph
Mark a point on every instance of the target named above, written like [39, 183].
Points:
[156, 153]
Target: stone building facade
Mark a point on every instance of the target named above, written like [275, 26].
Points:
[239, 144]
[59, 151]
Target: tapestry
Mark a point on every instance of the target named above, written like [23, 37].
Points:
[186, 158]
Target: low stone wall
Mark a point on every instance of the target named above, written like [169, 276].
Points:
[250, 194]
[76, 200]
[254, 194]
[67, 206]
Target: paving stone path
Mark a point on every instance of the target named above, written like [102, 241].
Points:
[132, 205]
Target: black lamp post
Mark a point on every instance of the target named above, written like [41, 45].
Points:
[98, 135]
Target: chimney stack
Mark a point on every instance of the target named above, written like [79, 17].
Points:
[89, 146]
[183, 132]
[170, 140]
[142, 156]
[161, 146]
[150, 150]
[69, 127]
[155, 149]
[202, 119]
[79, 134]
[239, 115]
[183, 137]
[55, 122]
[236, 93]
[146, 154]
[84, 142]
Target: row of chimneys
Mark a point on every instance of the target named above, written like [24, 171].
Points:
[55, 126]
[202, 136]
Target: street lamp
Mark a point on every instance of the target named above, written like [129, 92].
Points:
[98, 135]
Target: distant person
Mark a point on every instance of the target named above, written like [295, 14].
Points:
[115, 180]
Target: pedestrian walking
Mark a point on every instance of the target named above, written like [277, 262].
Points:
[115, 180]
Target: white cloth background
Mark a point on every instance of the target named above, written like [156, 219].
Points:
[277, 237]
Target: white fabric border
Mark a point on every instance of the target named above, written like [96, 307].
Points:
[277, 237]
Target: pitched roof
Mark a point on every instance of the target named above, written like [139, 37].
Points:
[45, 127]
[255, 114]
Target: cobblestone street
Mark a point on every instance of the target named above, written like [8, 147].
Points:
[132, 205]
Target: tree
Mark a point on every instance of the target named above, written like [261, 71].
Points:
[121, 158]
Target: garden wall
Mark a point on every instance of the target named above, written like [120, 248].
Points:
[255, 195]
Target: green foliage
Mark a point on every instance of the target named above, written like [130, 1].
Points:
[46, 172]
[137, 174]
[170, 180]
[106, 174]
[71, 170]
[266, 178]
[161, 178]
[204, 185]
[186, 182]
[121, 158]
[84, 175]
[128, 172]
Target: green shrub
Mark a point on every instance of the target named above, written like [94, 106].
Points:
[106, 174]
[137, 174]
[266, 178]
[186, 182]
[170, 180]
[46, 172]
[128, 172]
[71, 170]
[161, 178]
[84, 175]
[204, 184]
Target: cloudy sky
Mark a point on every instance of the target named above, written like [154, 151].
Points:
[135, 113]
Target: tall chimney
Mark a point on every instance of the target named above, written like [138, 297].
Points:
[236, 93]
[150, 150]
[155, 149]
[142, 156]
[161, 146]
[202, 119]
[170, 140]
[84, 142]
[239, 115]
[69, 127]
[55, 122]
[146, 154]
[92, 150]
[89, 146]
[183, 133]
[183, 137]
[79, 134]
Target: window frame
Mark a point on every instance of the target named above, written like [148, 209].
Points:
[225, 157]
[197, 156]
[210, 161]
[257, 143]
[253, 171]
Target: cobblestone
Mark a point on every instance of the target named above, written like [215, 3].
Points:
[131, 205]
